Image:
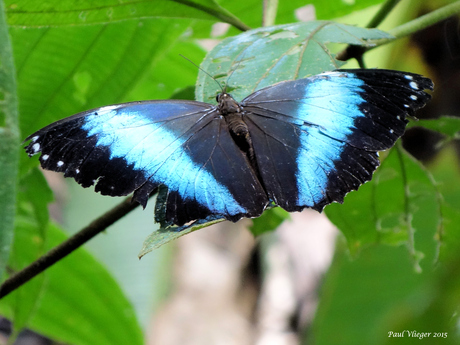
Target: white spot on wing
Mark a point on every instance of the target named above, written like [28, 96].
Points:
[45, 157]
[36, 147]
[413, 85]
[60, 163]
[77, 171]
[35, 138]
[414, 97]
[409, 77]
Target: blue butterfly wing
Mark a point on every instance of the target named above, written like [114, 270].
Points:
[138, 146]
[316, 139]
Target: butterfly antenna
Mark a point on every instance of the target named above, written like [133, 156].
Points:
[233, 71]
[202, 70]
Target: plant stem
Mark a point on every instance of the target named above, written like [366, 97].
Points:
[67, 247]
[403, 30]
[269, 15]
[220, 14]
[426, 20]
[382, 13]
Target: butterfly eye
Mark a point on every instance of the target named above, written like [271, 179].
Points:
[218, 97]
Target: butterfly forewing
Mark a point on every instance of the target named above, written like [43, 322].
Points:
[138, 146]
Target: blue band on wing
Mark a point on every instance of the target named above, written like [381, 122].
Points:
[156, 151]
[324, 133]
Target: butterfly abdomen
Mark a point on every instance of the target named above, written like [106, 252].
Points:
[230, 110]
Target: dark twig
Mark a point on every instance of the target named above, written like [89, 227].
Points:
[67, 247]
[220, 14]
[357, 52]
[382, 13]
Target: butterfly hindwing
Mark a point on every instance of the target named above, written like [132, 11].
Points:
[328, 128]
[216, 154]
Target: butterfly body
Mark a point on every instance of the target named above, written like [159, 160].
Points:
[295, 144]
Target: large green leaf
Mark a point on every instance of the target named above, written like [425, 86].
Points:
[322, 9]
[447, 125]
[65, 70]
[268, 221]
[250, 11]
[401, 198]
[447, 177]
[80, 303]
[9, 142]
[76, 301]
[265, 56]
[29, 243]
[379, 291]
[170, 73]
[360, 297]
[33, 13]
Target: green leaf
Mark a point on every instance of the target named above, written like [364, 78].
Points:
[29, 244]
[62, 71]
[447, 125]
[364, 297]
[167, 234]
[268, 221]
[338, 8]
[450, 236]
[33, 13]
[250, 11]
[80, 302]
[379, 291]
[391, 208]
[265, 56]
[447, 177]
[170, 73]
[9, 142]
[322, 9]
[34, 192]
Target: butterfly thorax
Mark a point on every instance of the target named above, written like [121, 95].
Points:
[233, 115]
[227, 104]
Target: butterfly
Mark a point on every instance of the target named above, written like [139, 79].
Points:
[294, 144]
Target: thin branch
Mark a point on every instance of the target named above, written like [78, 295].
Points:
[67, 247]
[382, 13]
[224, 17]
[357, 52]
